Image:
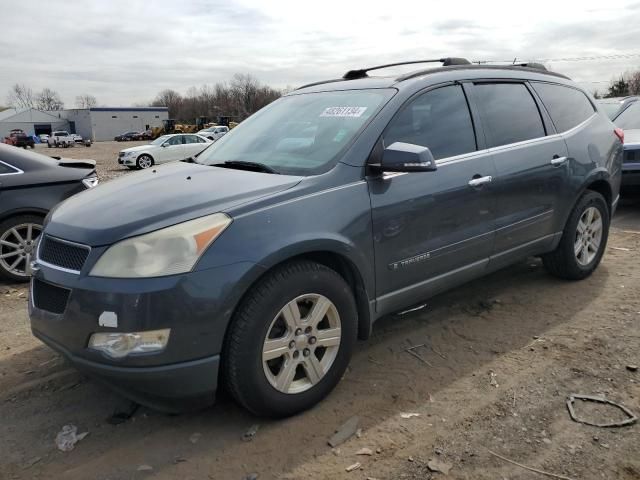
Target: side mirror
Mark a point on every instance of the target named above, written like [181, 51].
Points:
[164, 145]
[407, 157]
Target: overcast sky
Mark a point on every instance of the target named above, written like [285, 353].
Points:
[124, 52]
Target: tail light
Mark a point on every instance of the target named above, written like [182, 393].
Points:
[619, 133]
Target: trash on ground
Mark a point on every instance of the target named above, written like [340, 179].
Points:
[631, 417]
[439, 466]
[409, 415]
[345, 432]
[493, 380]
[195, 437]
[68, 437]
[364, 451]
[353, 467]
[250, 433]
[144, 468]
[251, 476]
[632, 368]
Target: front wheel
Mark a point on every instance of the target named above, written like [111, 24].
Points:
[144, 161]
[290, 340]
[18, 236]
[583, 241]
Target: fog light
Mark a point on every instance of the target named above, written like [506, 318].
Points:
[119, 345]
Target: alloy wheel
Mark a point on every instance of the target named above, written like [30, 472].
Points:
[588, 236]
[302, 343]
[145, 161]
[17, 246]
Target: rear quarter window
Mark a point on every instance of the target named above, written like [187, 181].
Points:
[567, 106]
[509, 112]
[6, 169]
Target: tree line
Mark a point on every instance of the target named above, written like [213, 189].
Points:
[238, 99]
[627, 84]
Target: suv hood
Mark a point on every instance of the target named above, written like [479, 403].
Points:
[146, 201]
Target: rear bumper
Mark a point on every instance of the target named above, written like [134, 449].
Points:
[172, 388]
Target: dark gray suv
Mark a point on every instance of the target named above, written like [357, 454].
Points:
[259, 263]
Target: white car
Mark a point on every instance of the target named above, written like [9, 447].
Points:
[214, 133]
[43, 137]
[166, 148]
[76, 138]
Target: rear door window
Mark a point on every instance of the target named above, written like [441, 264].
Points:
[509, 112]
[438, 119]
[567, 106]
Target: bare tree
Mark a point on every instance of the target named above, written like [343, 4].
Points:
[634, 83]
[86, 101]
[170, 99]
[21, 96]
[49, 99]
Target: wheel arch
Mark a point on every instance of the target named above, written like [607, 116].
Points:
[23, 211]
[345, 266]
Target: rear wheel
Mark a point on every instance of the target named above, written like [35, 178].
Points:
[18, 236]
[583, 241]
[290, 340]
[144, 161]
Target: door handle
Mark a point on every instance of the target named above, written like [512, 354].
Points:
[556, 160]
[479, 181]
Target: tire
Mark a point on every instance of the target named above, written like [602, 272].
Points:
[48, 145]
[579, 254]
[9, 255]
[144, 161]
[252, 382]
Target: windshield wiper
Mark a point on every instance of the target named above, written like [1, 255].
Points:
[251, 166]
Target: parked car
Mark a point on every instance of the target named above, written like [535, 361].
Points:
[43, 137]
[167, 148]
[628, 119]
[60, 138]
[613, 106]
[145, 135]
[127, 136]
[214, 133]
[18, 138]
[259, 263]
[77, 138]
[31, 184]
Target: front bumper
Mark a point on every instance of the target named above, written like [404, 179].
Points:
[196, 306]
[126, 161]
[171, 388]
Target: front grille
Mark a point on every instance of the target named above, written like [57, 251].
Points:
[121, 154]
[631, 156]
[49, 297]
[62, 254]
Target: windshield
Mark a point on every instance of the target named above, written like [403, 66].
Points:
[160, 140]
[299, 134]
[610, 108]
[630, 118]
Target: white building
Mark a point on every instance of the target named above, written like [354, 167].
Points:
[32, 121]
[97, 123]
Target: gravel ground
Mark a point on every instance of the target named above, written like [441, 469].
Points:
[500, 357]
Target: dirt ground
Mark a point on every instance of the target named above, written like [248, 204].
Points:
[500, 357]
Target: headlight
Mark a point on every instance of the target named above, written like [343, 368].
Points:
[119, 345]
[169, 251]
[91, 181]
[129, 154]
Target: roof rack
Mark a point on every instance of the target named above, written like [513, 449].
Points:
[446, 62]
[538, 66]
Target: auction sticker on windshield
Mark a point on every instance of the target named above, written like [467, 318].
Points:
[343, 111]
